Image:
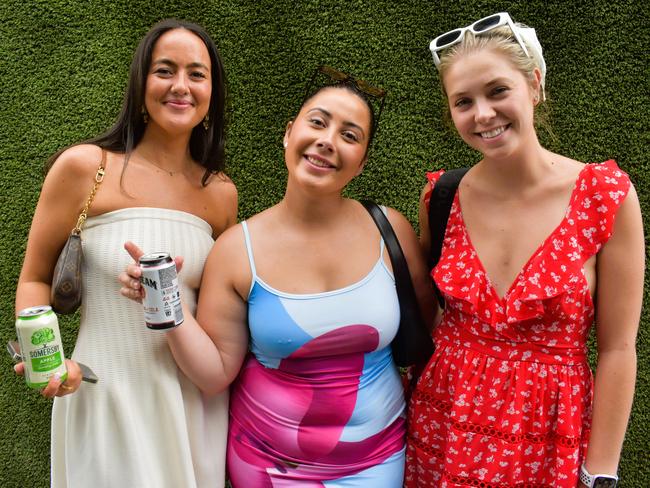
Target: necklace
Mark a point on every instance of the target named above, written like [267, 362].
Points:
[165, 170]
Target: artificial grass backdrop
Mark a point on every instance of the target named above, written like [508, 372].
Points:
[64, 65]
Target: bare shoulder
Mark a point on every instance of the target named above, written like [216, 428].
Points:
[229, 259]
[401, 225]
[265, 218]
[77, 161]
[230, 240]
[221, 190]
[229, 248]
[222, 186]
[569, 168]
[71, 175]
[221, 200]
[397, 219]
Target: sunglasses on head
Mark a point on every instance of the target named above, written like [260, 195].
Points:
[479, 27]
[345, 78]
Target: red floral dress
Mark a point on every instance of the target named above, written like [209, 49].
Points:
[505, 400]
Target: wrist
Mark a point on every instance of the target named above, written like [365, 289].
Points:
[603, 464]
[597, 479]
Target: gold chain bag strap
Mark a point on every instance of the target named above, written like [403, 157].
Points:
[65, 293]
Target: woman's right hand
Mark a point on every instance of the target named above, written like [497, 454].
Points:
[130, 277]
[55, 386]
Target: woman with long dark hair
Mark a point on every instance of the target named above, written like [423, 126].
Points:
[144, 423]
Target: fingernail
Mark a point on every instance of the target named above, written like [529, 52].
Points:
[57, 376]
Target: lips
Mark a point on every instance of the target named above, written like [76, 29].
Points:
[492, 133]
[180, 104]
[318, 161]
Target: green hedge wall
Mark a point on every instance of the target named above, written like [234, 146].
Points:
[63, 67]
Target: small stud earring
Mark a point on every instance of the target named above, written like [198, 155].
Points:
[285, 144]
[145, 115]
[206, 122]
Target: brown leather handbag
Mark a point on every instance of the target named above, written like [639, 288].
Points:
[65, 293]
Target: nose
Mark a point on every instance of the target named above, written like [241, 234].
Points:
[326, 141]
[483, 111]
[180, 84]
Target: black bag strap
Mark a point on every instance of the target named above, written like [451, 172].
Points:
[442, 198]
[412, 344]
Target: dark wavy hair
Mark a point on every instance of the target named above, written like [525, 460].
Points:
[207, 146]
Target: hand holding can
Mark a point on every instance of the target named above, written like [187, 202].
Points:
[162, 299]
[40, 342]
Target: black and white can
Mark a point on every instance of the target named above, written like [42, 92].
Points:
[162, 297]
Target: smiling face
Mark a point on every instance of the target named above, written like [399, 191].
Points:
[491, 103]
[179, 85]
[326, 143]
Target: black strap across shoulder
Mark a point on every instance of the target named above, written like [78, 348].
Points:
[412, 344]
[442, 198]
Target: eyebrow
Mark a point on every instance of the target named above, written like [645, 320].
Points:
[345, 122]
[499, 79]
[195, 64]
[495, 81]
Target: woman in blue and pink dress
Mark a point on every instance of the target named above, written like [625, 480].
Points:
[319, 400]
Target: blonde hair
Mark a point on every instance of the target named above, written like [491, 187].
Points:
[502, 41]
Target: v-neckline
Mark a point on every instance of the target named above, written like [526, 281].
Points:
[537, 250]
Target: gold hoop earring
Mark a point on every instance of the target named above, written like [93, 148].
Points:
[206, 122]
[145, 115]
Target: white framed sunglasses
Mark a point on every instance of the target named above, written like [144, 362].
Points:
[479, 27]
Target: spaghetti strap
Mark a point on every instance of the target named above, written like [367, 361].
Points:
[249, 251]
[382, 245]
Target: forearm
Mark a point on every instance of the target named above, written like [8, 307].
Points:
[32, 293]
[198, 356]
[613, 393]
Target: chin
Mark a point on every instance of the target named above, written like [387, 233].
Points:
[180, 127]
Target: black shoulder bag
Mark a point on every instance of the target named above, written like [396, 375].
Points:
[412, 344]
[442, 197]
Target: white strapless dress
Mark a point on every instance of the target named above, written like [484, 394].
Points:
[144, 424]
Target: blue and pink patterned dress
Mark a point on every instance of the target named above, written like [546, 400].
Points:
[319, 401]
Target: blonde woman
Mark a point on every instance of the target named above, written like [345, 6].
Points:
[538, 249]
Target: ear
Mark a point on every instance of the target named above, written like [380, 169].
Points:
[287, 133]
[536, 85]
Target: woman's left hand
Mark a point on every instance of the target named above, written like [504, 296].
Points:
[130, 277]
[55, 386]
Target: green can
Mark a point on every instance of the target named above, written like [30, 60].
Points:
[40, 343]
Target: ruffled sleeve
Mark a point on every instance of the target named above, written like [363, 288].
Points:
[602, 191]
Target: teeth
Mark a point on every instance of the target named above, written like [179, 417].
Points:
[493, 133]
[318, 162]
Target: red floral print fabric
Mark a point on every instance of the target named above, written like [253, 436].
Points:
[505, 400]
